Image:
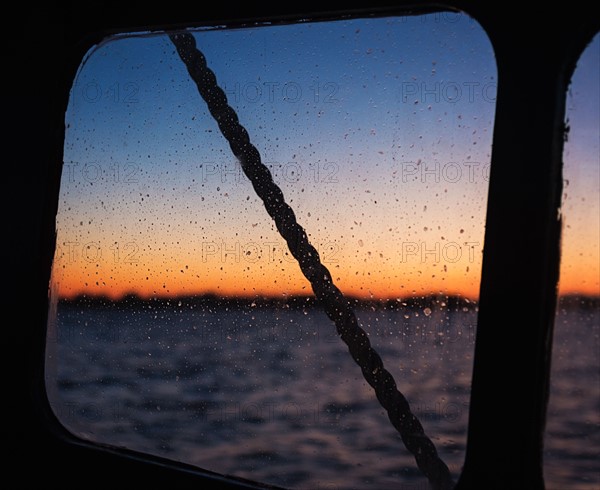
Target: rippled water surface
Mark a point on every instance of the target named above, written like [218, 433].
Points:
[272, 395]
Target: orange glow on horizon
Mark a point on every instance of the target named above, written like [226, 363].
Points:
[232, 279]
[581, 277]
[74, 275]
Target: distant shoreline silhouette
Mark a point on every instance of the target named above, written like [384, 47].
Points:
[217, 303]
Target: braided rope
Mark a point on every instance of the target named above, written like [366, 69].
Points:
[336, 306]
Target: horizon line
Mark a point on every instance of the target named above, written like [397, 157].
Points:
[285, 297]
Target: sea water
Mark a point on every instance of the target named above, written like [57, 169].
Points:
[272, 395]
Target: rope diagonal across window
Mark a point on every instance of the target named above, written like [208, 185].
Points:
[336, 306]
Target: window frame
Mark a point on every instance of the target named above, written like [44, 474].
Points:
[508, 399]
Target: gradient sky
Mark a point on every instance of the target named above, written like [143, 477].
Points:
[580, 264]
[378, 132]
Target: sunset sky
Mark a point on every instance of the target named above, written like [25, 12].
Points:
[378, 131]
[580, 265]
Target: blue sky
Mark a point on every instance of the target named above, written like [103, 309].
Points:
[378, 131]
[580, 264]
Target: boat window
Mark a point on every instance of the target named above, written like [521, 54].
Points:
[572, 438]
[181, 325]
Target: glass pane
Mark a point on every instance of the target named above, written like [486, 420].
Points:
[572, 440]
[181, 325]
